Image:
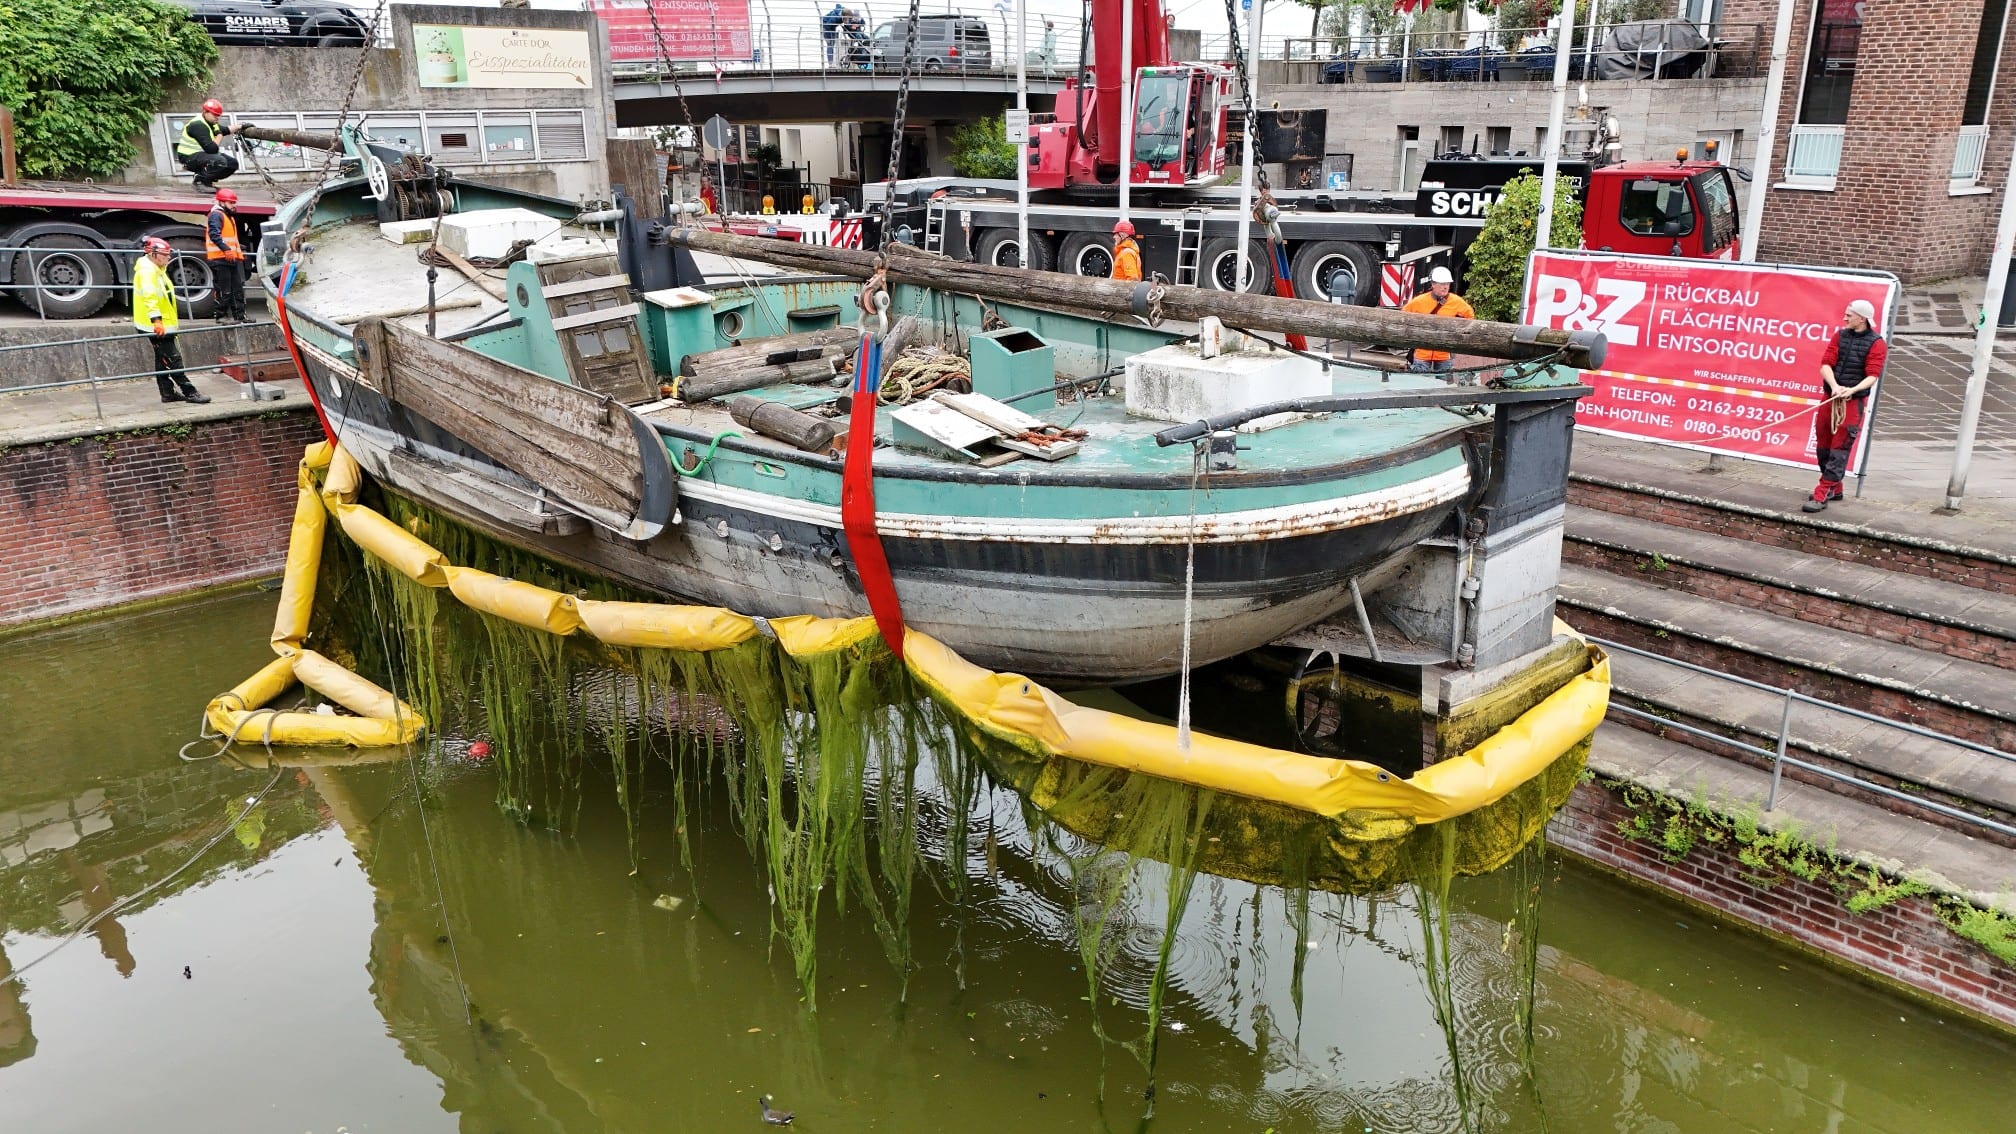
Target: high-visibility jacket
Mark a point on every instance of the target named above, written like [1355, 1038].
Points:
[220, 235]
[153, 297]
[1126, 259]
[197, 137]
[1426, 304]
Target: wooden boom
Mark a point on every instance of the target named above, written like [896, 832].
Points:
[1247, 311]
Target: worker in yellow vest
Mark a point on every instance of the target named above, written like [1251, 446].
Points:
[154, 316]
[227, 258]
[1126, 252]
[197, 147]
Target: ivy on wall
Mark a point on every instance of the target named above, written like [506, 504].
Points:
[1766, 857]
[84, 77]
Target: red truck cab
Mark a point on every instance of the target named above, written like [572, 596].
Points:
[1662, 208]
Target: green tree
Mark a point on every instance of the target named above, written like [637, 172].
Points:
[1495, 280]
[982, 149]
[85, 76]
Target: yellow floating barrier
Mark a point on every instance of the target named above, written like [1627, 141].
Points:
[1006, 706]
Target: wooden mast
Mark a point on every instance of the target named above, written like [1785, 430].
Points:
[1251, 312]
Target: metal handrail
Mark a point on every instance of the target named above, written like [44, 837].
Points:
[1780, 758]
[92, 378]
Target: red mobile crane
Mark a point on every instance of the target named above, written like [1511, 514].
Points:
[1179, 112]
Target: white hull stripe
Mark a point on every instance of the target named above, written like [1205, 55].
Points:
[1283, 521]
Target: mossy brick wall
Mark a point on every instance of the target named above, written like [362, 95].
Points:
[98, 521]
[1904, 943]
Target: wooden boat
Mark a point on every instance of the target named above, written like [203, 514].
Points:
[545, 408]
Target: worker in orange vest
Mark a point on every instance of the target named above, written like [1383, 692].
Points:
[226, 253]
[1437, 300]
[1126, 252]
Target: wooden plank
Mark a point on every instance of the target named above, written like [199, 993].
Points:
[474, 273]
[586, 283]
[582, 447]
[841, 340]
[633, 164]
[627, 312]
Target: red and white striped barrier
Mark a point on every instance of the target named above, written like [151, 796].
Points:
[844, 232]
[1396, 284]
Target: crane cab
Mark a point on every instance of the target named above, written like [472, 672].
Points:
[1179, 125]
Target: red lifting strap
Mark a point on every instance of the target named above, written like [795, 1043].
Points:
[857, 500]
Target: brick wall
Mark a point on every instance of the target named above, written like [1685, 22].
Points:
[100, 521]
[1905, 942]
[1890, 207]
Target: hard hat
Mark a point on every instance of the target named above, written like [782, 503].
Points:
[155, 244]
[1441, 275]
[212, 106]
[1863, 308]
[1123, 228]
[227, 196]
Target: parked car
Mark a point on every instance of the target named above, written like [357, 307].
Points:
[279, 23]
[944, 43]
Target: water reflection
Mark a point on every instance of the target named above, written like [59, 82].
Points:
[332, 942]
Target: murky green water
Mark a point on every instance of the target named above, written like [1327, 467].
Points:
[309, 971]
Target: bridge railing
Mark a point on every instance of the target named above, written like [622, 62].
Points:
[801, 47]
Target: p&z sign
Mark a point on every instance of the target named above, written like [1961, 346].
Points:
[1705, 354]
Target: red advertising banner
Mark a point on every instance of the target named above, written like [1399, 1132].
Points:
[1707, 354]
[690, 30]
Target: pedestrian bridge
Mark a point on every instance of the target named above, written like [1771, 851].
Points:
[823, 95]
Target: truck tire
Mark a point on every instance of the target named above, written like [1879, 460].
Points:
[997, 248]
[189, 270]
[1086, 254]
[65, 277]
[1315, 264]
[1218, 264]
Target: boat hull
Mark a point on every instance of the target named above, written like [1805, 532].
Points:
[1073, 608]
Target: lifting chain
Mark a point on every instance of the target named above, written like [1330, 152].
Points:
[896, 128]
[342, 116]
[658, 37]
[1250, 118]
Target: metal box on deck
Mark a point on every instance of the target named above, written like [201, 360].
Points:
[1014, 361]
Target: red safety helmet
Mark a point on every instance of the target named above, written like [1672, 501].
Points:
[212, 106]
[1123, 228]
[155, 244]
[227, 196]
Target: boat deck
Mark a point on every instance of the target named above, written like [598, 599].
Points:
[356, 273]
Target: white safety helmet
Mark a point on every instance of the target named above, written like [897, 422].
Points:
[1441, 275]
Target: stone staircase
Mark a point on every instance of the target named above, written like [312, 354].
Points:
[1897, 624]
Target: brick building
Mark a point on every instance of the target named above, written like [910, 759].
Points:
[1893, 135]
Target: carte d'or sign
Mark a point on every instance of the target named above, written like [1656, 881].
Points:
[1705, 354]
[518, 58]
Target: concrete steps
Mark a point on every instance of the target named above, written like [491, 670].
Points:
[1877, 613]
[1916, 610]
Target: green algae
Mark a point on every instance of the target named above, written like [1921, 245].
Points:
[825, 761]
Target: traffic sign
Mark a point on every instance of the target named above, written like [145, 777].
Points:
[717, 132]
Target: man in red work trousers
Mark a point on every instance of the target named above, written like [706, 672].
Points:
[1849, 370]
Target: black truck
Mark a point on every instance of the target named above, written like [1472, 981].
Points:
[279, 23]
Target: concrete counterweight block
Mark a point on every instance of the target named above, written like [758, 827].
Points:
[490, 233]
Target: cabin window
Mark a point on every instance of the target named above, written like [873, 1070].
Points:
[1656, 208]
[508, 138]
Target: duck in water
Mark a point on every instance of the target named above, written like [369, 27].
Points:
[772, 1116]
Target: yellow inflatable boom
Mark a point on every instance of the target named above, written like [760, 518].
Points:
[1007, 706]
